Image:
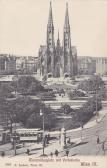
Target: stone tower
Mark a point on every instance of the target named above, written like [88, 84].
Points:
[50, 55]
[67, 51]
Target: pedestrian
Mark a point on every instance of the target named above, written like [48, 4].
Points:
[56, 152]
[23, 144]
[68, 141]
[48, 138]
[51, 154]
[28, 151]
[2, 153]
[98, 140]
[103, 146]
[67, 153]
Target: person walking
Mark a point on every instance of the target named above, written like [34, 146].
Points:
[103, 147]
[98, 140]
[28, 151]
[51, 154]
[2, 153]
[67, 153]
[56, 152]
[68, 141]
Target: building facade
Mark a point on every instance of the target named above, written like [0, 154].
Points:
[87, 65]
[11, 64]
[55, 60]
[7, 64]
[92, 65]
[26, 64]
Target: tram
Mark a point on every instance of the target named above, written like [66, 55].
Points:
[28, 135]
[4, 136]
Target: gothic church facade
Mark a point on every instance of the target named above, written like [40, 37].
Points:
[55, 60]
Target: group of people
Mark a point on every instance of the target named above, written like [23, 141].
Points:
[56, 153]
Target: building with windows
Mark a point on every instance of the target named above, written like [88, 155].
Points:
[7, 64]
[92, 65]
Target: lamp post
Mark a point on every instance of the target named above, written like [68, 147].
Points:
[15, 144]
[96, 105]
[15, 139]
[100, 91]
[63, 131]
[81, 130]
[43, 125]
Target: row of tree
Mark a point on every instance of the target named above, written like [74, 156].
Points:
[27, 112]
[23, 109]
[76, 94]
[88, 110]
[92, 85]
[27, 85]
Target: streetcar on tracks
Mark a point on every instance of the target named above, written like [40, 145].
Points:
[27, 135]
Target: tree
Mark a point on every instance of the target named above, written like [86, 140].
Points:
[36, 120]
[93, 84]
[75, 94]
[27, 85]
[24, 107]
[87, 111]
[5, 90]
[66, 109]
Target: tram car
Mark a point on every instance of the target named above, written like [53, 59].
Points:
[27, 135]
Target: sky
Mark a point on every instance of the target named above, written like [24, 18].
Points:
[23, 25]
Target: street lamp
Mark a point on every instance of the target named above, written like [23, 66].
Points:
[15, 138]
[12, 119]
[96, 105]
[81, 129]
[43, 125]
[98, 89]
[97, 113]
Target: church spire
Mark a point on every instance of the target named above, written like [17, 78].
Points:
[50, 43]
[66, 24]
[58, 40]
[50, 19]
[58, 34]
[67, 57]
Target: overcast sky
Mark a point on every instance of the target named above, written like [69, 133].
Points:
[23, 25]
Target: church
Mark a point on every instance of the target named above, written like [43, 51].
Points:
[56, 60]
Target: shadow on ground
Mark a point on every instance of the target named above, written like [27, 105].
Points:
[81, 143]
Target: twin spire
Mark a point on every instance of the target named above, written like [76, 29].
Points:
[50, 19]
